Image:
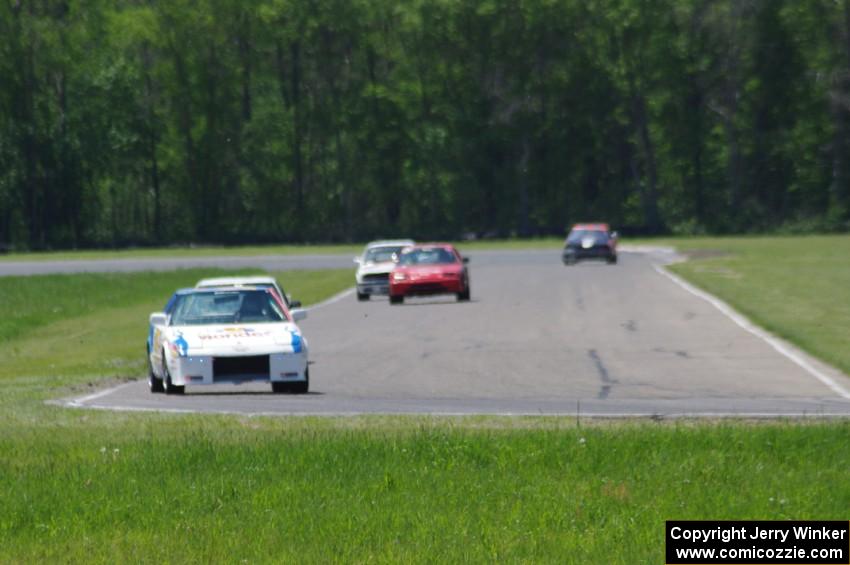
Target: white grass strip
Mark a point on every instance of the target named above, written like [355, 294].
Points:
[775, 342]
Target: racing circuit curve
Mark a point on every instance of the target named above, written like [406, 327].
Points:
[536, 338]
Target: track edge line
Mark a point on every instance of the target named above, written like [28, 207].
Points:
[780, 345]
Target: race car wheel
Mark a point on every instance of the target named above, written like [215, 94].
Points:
[362, 297]
[294, 388]
[396, 299]
[154, 383]
[612, 260]
[303, 386]
[569, 260]
[464, 295]
[170, 388]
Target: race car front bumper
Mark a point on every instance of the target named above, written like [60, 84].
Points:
[237, 369]
[572, 254]
[374, 284]
[426, 287]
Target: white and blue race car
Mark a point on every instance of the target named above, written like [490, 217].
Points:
[227, 335]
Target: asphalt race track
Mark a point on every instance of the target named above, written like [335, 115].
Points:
[537, 338]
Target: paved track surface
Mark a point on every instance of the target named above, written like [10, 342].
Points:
[537, 338]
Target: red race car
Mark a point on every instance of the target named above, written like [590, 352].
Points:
[428, 269]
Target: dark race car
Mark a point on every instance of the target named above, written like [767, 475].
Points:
[590, 241]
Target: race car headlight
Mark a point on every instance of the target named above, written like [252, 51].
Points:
[399, 276]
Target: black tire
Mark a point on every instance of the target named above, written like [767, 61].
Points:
[154, 384]
[396, 299]
[172, 388]
[362, 297]
[612, 260]
[169, 387]
[464, 296]
[569, 261]
[300, 387]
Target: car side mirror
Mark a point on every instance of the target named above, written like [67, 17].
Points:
[466, 260]
[615, 235]
[357, 260]
[298, 314]
[295, 303]
[159, 319]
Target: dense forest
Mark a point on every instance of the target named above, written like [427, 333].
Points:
[151, 122]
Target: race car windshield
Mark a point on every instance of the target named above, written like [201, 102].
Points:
[433, 256]
[382, 254]
[598, 236]
[202, 308]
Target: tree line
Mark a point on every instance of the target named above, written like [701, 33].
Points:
[150, 122]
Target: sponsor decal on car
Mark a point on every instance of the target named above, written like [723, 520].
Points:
[181, 344]
[234, 333]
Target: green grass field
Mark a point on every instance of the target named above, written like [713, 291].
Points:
[98, 487]
[352, 249]
[92, 487]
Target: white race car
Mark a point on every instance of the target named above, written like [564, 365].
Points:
[378, 260]
[260, 281]
[227, 335]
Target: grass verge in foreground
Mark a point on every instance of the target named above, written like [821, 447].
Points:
[152, 488]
